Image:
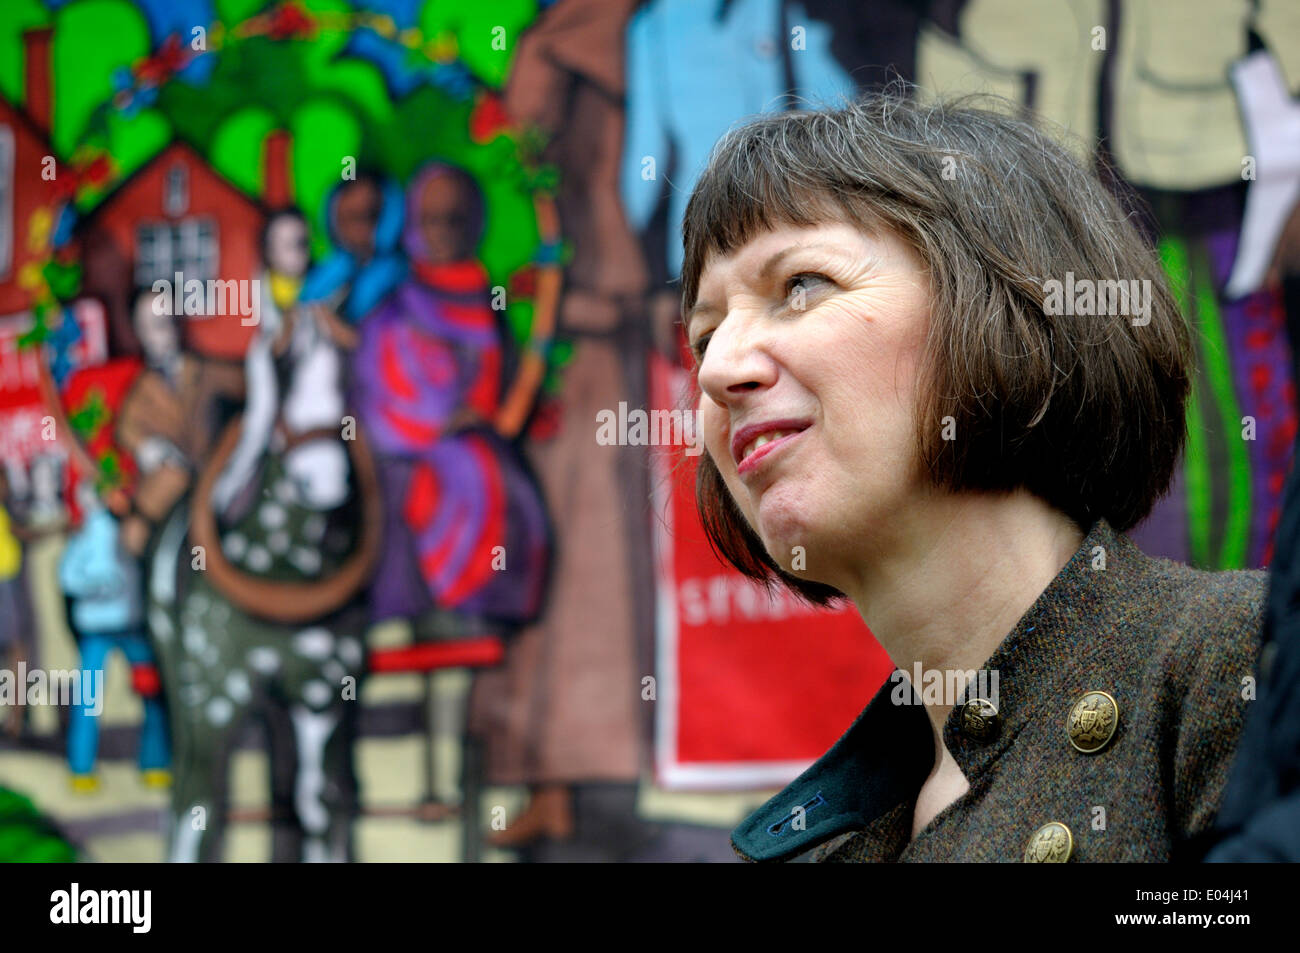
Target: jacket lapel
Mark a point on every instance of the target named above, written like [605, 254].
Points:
[878, 764]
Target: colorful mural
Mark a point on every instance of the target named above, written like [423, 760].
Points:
[309, 310]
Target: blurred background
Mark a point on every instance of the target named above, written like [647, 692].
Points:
[338, 365]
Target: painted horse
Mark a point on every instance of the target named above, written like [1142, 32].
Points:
[255, 591]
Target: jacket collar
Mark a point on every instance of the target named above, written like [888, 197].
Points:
[877, 767]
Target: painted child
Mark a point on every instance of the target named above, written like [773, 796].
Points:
[106, 611]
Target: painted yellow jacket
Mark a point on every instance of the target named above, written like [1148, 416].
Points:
[11, 550]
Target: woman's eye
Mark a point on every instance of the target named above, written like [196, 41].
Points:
[700, 344]
[798, 286]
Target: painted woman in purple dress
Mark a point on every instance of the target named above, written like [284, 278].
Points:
[465, 529]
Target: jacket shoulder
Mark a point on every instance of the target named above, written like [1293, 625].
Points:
[1200, 620]
[1205, 644]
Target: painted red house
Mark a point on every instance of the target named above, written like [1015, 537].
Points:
[24, 146]
[174, 214]
[178, 214]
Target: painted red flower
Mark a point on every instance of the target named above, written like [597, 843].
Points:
[488, 118]
[523, 283]
[157, 69]
[545, 424]
[97, 171]
[290, 20]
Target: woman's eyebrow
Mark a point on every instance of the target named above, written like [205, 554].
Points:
[764, 273]
[769, 266]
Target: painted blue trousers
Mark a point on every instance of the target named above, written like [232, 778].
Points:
[83, 729]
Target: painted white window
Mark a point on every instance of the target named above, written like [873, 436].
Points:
[176, 191]
[188, 246]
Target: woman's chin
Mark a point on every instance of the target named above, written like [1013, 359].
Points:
[788, 542]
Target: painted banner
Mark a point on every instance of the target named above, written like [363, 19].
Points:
[21, 406]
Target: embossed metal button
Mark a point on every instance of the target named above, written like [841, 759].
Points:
[1051, 844]
[1092, 722]
[980, 719]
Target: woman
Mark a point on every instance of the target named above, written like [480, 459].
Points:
[364, 219]
[467, 540]
[900, 409]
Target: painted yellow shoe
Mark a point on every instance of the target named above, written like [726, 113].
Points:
[156, 778]
[85, 783]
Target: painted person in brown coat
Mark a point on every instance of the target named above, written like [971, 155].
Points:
[169, 418]
[940, 374]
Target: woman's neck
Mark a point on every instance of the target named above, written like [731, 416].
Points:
[965, 569]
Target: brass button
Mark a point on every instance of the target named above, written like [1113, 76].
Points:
[1051, 844]
[1092, 722]
[980, 719]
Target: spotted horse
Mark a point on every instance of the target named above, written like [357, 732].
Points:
[255, 589]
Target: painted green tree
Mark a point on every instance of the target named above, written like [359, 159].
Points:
[27, 836]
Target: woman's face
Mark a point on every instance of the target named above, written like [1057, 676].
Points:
[287, 248]
[444, 220]
[356, 212]
[813, 336]
[157, 331]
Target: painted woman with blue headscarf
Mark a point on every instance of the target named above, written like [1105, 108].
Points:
[466, 530]
[363, 217]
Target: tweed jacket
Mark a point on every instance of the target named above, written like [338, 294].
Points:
[1174, 649]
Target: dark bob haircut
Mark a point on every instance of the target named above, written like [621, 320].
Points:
[1084, 410]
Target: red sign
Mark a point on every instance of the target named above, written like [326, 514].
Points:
[751, 689]
[22, 411]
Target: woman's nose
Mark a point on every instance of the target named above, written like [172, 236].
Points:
[736, 361]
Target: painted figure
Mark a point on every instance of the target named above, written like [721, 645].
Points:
[170, 416]
[281, 504]
[465, 524]
[101, 582]
[44, 508]
[364, 219]
[16, 619]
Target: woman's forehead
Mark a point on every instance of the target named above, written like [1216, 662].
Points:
[780, 241]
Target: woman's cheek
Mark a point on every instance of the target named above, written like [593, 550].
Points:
[713, 423]
[872, 338]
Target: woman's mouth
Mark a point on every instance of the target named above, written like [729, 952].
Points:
[763, 445]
